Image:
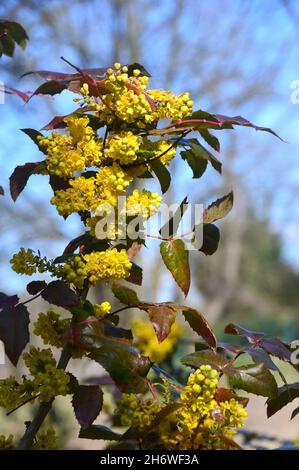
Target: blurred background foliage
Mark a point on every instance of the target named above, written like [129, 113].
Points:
[235, 57]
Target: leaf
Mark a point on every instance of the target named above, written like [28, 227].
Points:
[210, 139]
[33, 134]
[14, 331]
[51, 87]
[197, 156]
[162, 317]
[255, 379]
[295, 413]
[211, 238]
[76, 243]
[34, 287]
[58, 293]
[135, 276]
[163, 413]
[176, 259]
[199, 324]
[125, 295]
[21, 174]
[259, 355]
[100, 432]
[218, 209]
[240, 121]
[15, 30]
[275, 347]
[208, 356]
[1, 191]
[237, 330]
[87, 403]
[171, 227]
[8, 300]
[162, 174]
[197, 163]
[125, 365]
[285, 395]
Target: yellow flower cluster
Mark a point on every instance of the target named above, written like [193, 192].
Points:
[151, 149]
[48, 381]
[201, 423]
[51, 328]
[6, 443]
[25, 262]
[123, 147]
[148, 343]
[136, 412]
[102, 309]
[87, 194]
[45, 440]
[129, 101]
[143, 203]
[67, 154]
[95, 267]
[170, 105]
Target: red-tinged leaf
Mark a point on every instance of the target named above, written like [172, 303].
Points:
[176, 259]
[208, 356]
[34, 135]
[87, 403]
[210, 239]
[237, 330]
[275, 347]
[76, 243]
[99, 432]
[295, 413]
[125, 295]
[135, 275]
[21, 174]
[259, 355]
[14, 332]
[199, 324]
[57, 183]
[253, 378]
[24, 95]
[8, 300]
[162, 317]
[34, 287]
[240, 121]
[285, 395]
[218, 209]
[49, 88]
[58, 293]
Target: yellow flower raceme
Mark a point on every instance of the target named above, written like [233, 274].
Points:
[67, 154]
[143, 203]
[80, 197]
[148, 343]
[96, 267]
[136, 412]
[170, 105]
[26, 262]
[123, 147]
[6, 443]
[151, 149]
[51, 328]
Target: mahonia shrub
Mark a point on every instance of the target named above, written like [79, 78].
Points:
[121, 131]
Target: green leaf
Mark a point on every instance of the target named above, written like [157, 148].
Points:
[125, 295]
[87, 403]
[195, 160]
[218, 209]
[162, 174]
[14, 332]
[255, 379]
[215, 359]
[210, 139]
[162, 317]
[285, 395]
[170, 227]
[199, 324]
[211, 238]
[100, 432]
[176, 259]
[124, 364]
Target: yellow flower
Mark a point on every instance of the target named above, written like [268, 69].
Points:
[51, 328]
[25, 262]
[143, 203]
[148, 343]
[102, 309]
[123, 147]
